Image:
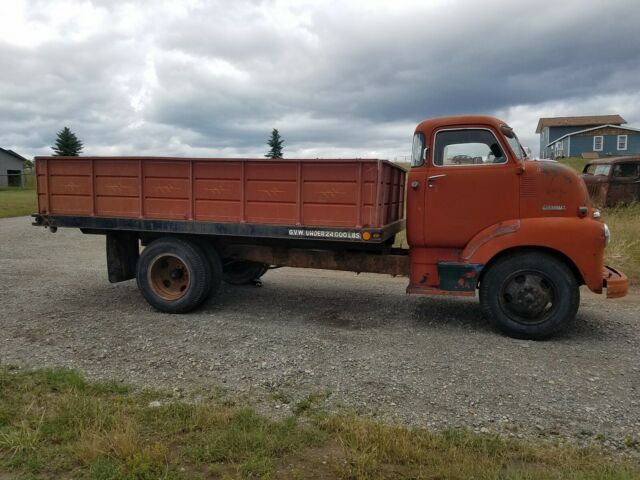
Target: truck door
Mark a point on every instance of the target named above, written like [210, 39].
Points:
[471, 184]
[416, 192]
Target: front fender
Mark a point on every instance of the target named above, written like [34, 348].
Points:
[580, 240]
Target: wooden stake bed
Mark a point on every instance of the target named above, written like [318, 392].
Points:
[350, 200]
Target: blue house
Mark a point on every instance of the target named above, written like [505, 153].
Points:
[595, 136]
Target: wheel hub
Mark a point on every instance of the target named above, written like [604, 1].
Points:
[177, 274]
[169, 277]
[528, 295]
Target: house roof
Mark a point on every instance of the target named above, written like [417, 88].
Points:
[12, 153]
[579, 121]
[631, 129]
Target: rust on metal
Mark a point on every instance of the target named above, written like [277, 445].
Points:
[503, 228]
[613, 181]
[394, 263]
[615, 282]
[169, 277]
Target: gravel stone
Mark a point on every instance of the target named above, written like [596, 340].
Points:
[354, 342]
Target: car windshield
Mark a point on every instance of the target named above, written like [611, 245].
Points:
[598, 170]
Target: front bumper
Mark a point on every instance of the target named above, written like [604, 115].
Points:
[616, 282]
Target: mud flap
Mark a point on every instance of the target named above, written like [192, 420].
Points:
[122, 255]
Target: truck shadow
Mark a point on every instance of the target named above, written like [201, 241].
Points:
[358, 309]
[350, 309]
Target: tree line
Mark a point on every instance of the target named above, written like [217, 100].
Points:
[67, 144]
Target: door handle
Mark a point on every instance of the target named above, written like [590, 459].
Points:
[415, 184]
[434, 177]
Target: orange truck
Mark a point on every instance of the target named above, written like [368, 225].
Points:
[480, 217]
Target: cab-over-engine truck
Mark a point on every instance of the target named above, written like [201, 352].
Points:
[479, 216]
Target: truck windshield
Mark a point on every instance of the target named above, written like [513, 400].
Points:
[518, 151]
[514, 143]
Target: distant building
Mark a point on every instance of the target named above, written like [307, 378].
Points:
[11, 168]
[596, 136]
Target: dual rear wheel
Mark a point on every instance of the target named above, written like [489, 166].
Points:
[177, 275]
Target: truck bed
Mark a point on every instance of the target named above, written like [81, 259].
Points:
[351, 200]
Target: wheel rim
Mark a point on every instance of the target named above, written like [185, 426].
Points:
[169, 277]
[528, 297]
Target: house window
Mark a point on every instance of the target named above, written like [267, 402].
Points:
[597, 143]
[622, 142]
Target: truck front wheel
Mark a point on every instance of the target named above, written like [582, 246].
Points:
[530, 295]
[243, 272]
[174, 275]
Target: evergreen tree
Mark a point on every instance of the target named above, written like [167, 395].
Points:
[67, 144]
[275, 142]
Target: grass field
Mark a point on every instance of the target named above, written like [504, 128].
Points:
[54, 424]
[17, 202]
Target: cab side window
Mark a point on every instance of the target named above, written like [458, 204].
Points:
[467, 147]
[626, 170]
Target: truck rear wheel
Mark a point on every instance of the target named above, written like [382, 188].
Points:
[243, 272]
[174, 275]
[530, 295]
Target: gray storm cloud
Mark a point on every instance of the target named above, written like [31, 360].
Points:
[339, 79]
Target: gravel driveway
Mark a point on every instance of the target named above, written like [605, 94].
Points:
[357, 340]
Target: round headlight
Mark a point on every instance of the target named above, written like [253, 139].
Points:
[607, 234]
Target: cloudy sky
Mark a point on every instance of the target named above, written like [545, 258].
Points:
[343, 78]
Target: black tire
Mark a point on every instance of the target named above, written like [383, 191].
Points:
[530, 295]
[243, 272]
[214, 262]
[174, 275]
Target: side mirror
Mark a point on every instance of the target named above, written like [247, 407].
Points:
[424, 154]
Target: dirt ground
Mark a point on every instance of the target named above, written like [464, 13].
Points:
[357, 341]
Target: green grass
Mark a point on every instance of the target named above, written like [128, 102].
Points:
[17, 202]
[55, 424]
[577, 163]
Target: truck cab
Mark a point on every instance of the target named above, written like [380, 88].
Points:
[481, 215]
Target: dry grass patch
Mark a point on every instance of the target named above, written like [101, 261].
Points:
[374, 451]
[624, 249]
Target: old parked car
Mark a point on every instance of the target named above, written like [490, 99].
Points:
[613, 181]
